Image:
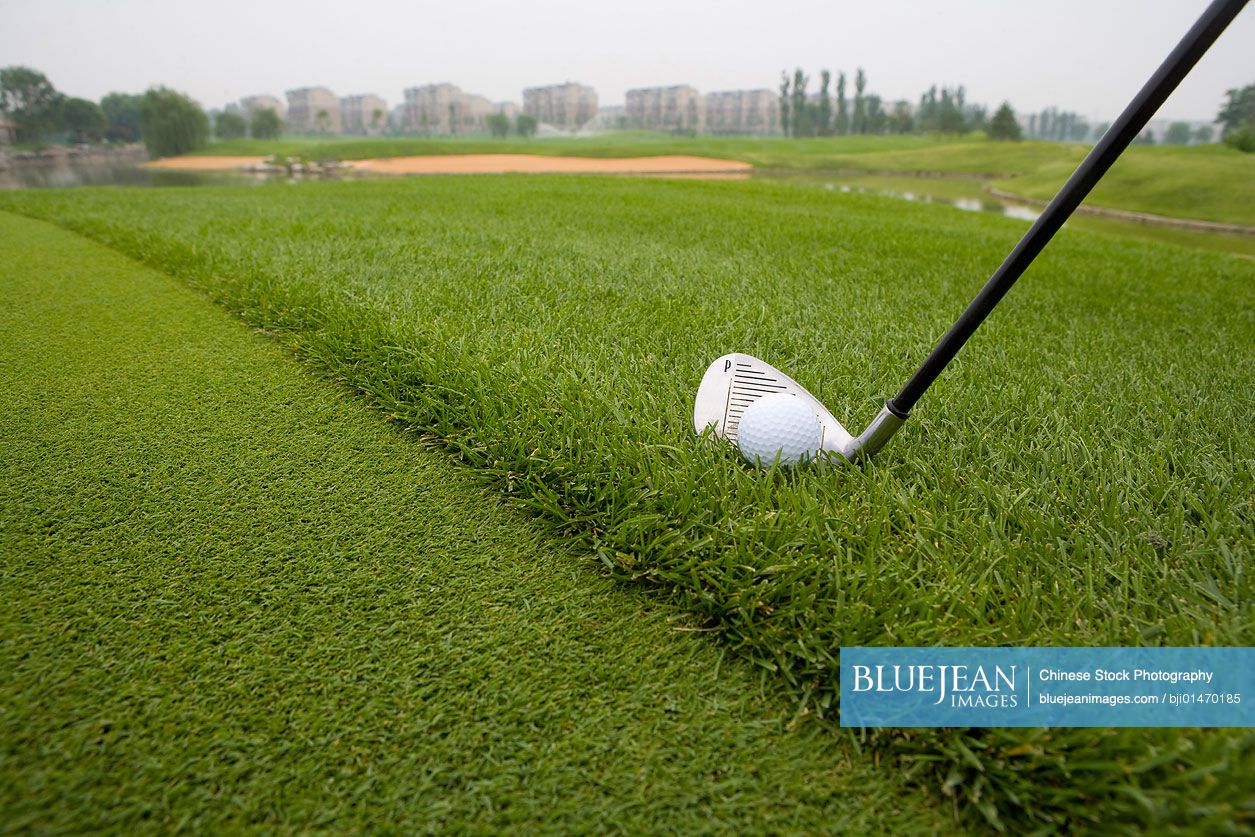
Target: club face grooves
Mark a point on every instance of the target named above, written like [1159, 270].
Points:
[733, 382]
[748, 385]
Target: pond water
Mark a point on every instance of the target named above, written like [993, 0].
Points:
[64, 174]
[982, 203]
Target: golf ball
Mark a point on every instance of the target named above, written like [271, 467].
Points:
[780, 424]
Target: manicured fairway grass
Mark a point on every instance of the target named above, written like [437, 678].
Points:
[1082, 475]
[234, 598]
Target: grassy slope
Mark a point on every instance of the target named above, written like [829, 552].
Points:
[233, 598]
[1082, 475]
[946, 189]
[1210, 182]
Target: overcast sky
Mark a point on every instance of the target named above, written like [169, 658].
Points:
[1089, 56]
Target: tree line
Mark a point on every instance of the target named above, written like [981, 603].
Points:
[835, 112]
[832, 111]
[166, 121]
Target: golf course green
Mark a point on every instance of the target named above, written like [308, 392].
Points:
[1082, 475]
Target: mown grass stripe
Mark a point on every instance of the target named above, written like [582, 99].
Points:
[234, 599]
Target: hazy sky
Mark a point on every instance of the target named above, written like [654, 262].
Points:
[1084, 55]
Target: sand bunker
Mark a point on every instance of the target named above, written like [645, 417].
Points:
[535, 164]
[204, 163]
[490, 164]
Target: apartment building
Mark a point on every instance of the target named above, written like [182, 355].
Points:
[314, 110]
[678, 108]
[445, 109]
[364, 114]
[742, 112]
[249, 105]
[566, 106]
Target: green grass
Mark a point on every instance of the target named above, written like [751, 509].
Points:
[1211, 182]
[235, 599]
[769, 152]
[1081, 475]
[949, 190]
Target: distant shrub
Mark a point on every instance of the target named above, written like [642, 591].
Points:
[1242, 139]
[498, 124]
[83, 119]
[229, 126]
[171, 123]
[266, 124]
[1004, 125]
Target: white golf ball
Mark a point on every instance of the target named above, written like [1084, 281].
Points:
[781, 425]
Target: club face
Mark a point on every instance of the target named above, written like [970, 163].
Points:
[735, 381]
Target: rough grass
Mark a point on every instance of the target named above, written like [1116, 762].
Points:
[234, 600]
[1081, 475]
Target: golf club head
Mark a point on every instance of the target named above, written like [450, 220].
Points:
[735, 381]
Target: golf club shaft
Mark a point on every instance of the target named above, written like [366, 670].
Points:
[1100, 158]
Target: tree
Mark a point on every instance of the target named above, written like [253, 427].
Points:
[1203, 134]
[265, 124]
[785, 121]
[801, 121]
[122, 112]
[498, 124]
[842, 125]
[875, 119]
[949, 116]
[1003, 126]
[823, 115]
[84, 120]
[376, 119]
[30, 101]
[322, 121]
[901, 121]
[525, 125]
[229, 125]
[171, 123]
[858, 123]
[1178, 133]
[1239, 111]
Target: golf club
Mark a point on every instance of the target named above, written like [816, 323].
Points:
[735, 382]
